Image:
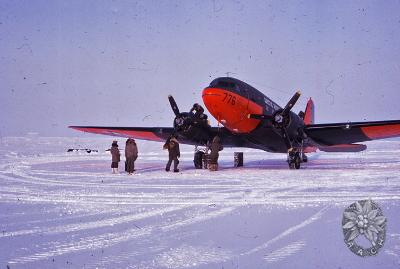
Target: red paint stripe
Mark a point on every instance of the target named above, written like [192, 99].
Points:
[310, 149]
[383, 131]
[145, 135]
[309, 113]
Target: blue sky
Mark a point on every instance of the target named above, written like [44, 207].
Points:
[113, 63]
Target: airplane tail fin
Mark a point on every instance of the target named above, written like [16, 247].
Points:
[309, 113]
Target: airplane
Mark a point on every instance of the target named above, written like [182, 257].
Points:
[250, 119]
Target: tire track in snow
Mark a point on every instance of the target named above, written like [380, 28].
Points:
[294, 194]
[92, 224]
[283, 253]
[288, 231]
[186, 256]
[252, 187]
[110, 239]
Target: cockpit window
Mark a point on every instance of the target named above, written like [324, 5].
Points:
[227, 85]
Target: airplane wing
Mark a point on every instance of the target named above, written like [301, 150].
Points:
[145, 133]
[160, 134]
[344, 134]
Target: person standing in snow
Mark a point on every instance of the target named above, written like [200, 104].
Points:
[174, 153]
[215, 148]
[116, 156]
[131, 154]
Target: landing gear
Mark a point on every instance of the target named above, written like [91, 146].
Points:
[295, 158]
[200, 159]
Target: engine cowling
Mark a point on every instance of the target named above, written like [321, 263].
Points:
[192, 128]
[294, 126]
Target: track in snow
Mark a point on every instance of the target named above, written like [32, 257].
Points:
[65, 210]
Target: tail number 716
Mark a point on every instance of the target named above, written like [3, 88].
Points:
[229, 99]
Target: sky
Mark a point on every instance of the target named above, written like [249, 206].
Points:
[113, 63]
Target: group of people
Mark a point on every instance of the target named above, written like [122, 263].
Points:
[172, 145]
[131, 154]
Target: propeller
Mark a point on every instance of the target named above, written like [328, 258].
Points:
[281, 118]
[174, 106]
[182, 121]
[291, 103]
[186, 125]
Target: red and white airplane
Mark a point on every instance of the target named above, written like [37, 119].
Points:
[252, 120]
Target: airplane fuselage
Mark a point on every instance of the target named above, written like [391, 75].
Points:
[230, 101]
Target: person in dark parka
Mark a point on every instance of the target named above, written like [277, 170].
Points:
[197, 110]
[215, 148]
[174, 153]
[131, 154]
[116, 157]
[198, 114]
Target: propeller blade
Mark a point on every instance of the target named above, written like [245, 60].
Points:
[173, 104]
[260, 117]
[291, 103]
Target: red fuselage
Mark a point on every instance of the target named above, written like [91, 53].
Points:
[230, 101]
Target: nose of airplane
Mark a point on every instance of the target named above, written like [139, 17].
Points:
[231, 109]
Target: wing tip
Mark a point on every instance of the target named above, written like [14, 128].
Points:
[79, 128]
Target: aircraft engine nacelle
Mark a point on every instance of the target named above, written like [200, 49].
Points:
[294, 126]
[193, 128]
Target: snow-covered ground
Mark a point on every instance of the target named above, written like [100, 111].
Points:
[66, 210]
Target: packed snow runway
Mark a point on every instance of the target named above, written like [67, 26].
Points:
[66, 210]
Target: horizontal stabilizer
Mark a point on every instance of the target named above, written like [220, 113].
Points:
[344, 148]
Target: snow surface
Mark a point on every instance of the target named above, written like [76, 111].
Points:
[66, 210]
